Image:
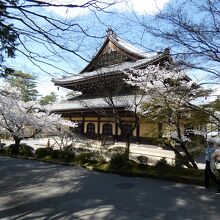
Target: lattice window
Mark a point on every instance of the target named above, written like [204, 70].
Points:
[107, 129]
[90, 128]
[109, 58]
[126, 129]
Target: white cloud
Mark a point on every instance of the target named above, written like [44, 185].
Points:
[141, 7]
[47, 86]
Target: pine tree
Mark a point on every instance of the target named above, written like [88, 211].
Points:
[25, 83]
[8, 38]
[50, 98]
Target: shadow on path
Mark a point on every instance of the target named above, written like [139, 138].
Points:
[37, 190]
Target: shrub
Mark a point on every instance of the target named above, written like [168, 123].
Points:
[143, 161]
[70, 147]
[162, 163]
[115, 150]
[197, 139]
[55, 153]
[48, 157]
[26, 150]
[181, 161]
[80, 150]
[42, 152]
[68, 156]
[3, 148]
[118, 161]
[3, 151]
[2, 145]
[13, 149]
[89, 157]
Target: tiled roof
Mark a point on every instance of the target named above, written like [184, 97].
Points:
[116, 68]
[94, 103]
[129, 47]
[140, 58]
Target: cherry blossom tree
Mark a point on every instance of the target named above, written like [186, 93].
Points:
[26, 119]
[170, 94]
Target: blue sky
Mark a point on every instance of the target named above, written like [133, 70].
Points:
[97, 25]
[117, 17]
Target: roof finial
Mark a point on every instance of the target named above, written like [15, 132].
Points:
[110, 32]
[167, 50]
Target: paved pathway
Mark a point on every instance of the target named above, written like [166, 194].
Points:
[37, 190]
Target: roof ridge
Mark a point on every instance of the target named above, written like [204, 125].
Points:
[127, 46]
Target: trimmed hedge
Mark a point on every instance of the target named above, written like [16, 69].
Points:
[89, 157]
[55, 154]
[68, 156]
[42, 152]
[21, 149]
[3, 148]
[118, 161]
[142, 162]
[26, 150]
[13, 149]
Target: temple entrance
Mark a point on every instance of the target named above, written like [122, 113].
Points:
[90, 130]
[107, 130]
[107, 136]
[127, 129]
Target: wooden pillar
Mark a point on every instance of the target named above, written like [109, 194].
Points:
[83, 124]
[138, 131]
[116, 131]
[99, 135]
[160, 130]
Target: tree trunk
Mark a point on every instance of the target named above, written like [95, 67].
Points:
[189, 156]
[128, 144]
[178, 154]
[17, 140]
[183, 147]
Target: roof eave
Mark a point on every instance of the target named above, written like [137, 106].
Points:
[94, 77]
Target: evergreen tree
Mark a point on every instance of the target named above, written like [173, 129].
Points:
[25, 83]
[8, 37]
[52, 97]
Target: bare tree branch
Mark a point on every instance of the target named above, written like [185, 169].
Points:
[35, 24]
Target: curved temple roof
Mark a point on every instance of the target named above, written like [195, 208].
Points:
[126, 56]
[134, 58]
[138, 59]
[81, 104]
[106, 70]
[114, 41]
